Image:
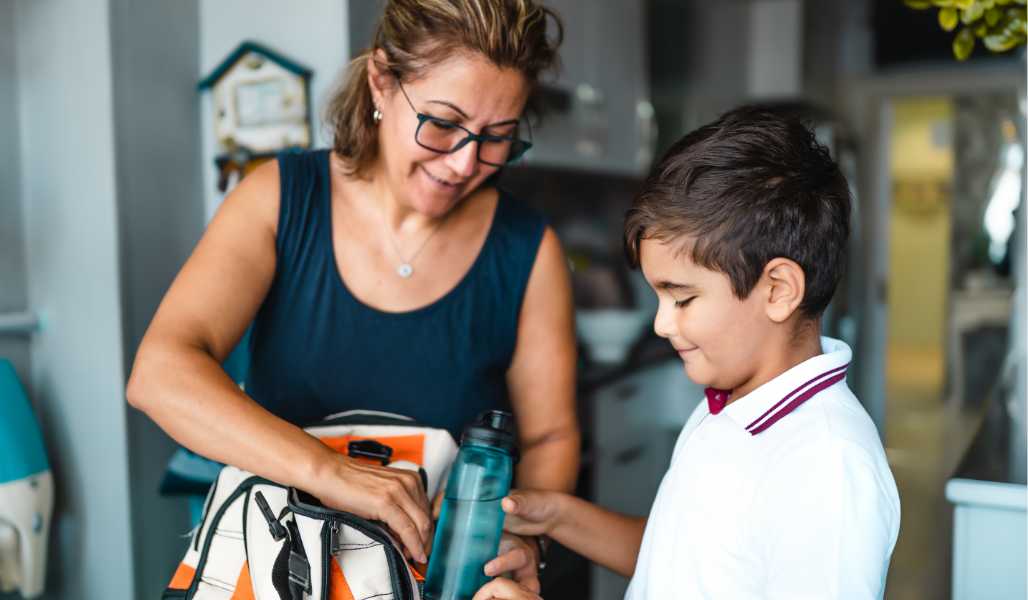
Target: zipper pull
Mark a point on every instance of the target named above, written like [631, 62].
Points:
[277, 530]
[333, 540]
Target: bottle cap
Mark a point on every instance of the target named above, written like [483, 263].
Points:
[490, 429]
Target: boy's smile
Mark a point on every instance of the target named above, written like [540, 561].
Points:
[725, 342]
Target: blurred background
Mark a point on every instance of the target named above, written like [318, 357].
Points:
[113, 158]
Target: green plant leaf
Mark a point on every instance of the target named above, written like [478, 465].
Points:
[944, 3]
[918, 4]
[1018, 18]
[965, 4]
[948, 18]
[1001, 41]
[987, 4]
[980, 28]
[992, 16]
[963, 44]
[970, 15]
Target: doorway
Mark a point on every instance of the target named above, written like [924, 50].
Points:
[948, 294]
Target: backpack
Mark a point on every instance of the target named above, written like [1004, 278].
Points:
[259, 540]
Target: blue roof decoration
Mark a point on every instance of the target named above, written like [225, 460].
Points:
[240, 52]
[22, 452]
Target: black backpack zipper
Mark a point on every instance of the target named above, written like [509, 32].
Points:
[400, 579]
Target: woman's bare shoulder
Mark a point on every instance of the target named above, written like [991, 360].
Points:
[255, 201]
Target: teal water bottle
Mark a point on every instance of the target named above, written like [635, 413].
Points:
[468, 533]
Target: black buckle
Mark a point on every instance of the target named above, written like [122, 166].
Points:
[370, 449]
[278, 532]
[300, 571]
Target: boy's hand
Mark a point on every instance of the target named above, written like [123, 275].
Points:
[505, 589]
[531, 512]
[519, 557]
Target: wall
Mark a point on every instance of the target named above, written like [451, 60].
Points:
[312, 33]
[155, 67]
[920, 226]
[71, 250]
[13, 285]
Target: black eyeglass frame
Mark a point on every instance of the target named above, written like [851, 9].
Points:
[471, 137]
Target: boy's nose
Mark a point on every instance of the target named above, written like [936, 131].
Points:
[664, 323]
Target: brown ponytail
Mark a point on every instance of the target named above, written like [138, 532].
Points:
[415, 34]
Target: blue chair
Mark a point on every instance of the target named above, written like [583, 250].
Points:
[26, 490]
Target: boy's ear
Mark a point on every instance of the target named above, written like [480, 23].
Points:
[788, 285]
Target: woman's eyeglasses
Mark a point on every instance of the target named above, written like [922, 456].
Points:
[444, 137]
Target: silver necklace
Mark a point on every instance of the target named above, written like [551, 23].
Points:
[405, 269]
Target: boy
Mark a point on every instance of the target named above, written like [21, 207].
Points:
[779, 486]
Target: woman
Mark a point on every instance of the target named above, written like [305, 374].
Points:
[385, 274]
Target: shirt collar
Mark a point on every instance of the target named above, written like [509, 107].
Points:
[766, 405]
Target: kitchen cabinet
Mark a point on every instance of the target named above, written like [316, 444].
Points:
[600, 115]
[636, 422]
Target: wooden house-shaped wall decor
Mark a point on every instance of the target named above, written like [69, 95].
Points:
[261, 104]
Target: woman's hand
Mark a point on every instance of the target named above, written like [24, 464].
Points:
[532, 512]
[394, 496]
[519, 557]
[437, 505]
[505, 589]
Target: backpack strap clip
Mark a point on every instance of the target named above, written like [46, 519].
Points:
[370, 449]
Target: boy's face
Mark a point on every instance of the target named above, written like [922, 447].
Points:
[722, 339]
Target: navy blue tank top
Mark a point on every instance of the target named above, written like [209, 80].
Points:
[316, 350]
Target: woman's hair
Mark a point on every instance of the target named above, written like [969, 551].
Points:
[416, 34]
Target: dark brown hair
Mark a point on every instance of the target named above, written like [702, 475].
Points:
[414, 35]
[750, 187]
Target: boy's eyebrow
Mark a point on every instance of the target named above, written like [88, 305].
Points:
[676, 287]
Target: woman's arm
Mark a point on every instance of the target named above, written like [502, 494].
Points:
[177, 379]
[541, 383]
[541, 377]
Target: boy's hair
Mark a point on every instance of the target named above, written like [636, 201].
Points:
[750, 187]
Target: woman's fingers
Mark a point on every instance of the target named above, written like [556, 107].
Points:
[437, 505]
[393, 496]
[412, 483]
[400, 522]
[505, 589]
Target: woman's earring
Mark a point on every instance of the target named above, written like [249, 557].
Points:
[376, 115]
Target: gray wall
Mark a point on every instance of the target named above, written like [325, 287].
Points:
[13, 290]
[155, 62]
[71, 251]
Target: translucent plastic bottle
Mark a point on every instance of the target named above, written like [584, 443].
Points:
[468, 533]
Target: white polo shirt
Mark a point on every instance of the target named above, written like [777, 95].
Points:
[784, 493]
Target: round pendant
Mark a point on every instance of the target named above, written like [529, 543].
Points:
[405, 271]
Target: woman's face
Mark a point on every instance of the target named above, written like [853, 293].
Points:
[466, 90]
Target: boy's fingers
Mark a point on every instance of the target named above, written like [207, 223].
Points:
[531, 582]
[510, 505]
[516, 559]
[505, 589]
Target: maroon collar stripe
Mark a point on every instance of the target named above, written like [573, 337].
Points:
[796, 397]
